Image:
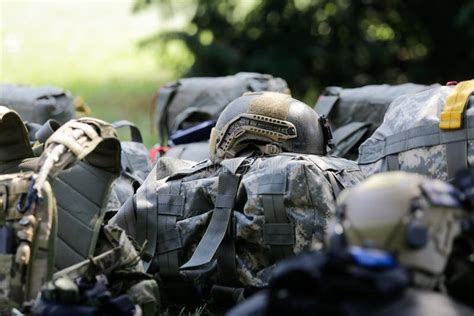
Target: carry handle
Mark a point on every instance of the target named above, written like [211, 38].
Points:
[452, 115]
[135, 133]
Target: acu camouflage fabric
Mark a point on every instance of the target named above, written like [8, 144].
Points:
[306, 192]
[410, 133]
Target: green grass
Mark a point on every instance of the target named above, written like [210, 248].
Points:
[87, 47]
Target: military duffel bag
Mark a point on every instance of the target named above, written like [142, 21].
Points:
[430, 132]
[38, 104]
[189, 101]
[28, 227]
[223, 226]
[80, 173]
[356, 113]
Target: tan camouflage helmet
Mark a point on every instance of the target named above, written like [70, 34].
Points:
[270, 121]
[410, 215]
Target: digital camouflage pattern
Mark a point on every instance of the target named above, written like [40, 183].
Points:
[28, 235]
[308, 202]
[406, 123]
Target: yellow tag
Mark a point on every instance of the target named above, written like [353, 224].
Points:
[452, 115]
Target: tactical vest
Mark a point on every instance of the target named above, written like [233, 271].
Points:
[28, 226]
[356, 113]
[81, 189]
[321, 283]
[226, 224]
[430, 132]
[189, 101]
[38, 104]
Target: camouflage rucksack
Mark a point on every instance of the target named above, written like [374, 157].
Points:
[219, 228]
[28, 227]
[430, 132]
[186, 110]
[38, 104]
[356, 113]
[80, 176]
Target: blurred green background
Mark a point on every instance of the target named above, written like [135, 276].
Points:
[116, 53]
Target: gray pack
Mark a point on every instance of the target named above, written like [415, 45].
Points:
[188, 101]
[38, 104]
[411, 139]
[354, 114]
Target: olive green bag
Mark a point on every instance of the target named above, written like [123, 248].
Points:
[80, 175]
[28, 227]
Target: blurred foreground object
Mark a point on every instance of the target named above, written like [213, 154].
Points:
[387, 248]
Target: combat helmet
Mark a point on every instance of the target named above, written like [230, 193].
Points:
[270, 121]
[415, 218]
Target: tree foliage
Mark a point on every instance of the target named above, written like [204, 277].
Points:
[316, 43]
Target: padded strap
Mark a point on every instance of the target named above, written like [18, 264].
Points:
[207, 247]
[165, 95]
[452, 115]
[325, 104]
[135, 134]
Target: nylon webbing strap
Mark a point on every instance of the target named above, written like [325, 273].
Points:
[207, 247]
[147, 220]
[170, 206]
[325, 104]
[417, 137]
[456, 157]
[135, 134]
[452, 115]
[278, 232]
[392, 162]
[336, 189]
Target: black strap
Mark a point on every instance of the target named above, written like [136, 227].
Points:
[335, 184]
[135, 134]
[278, 232]
[393, 163]
[170, 206]
[218, 226]
[325, 104]
[456, 157]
